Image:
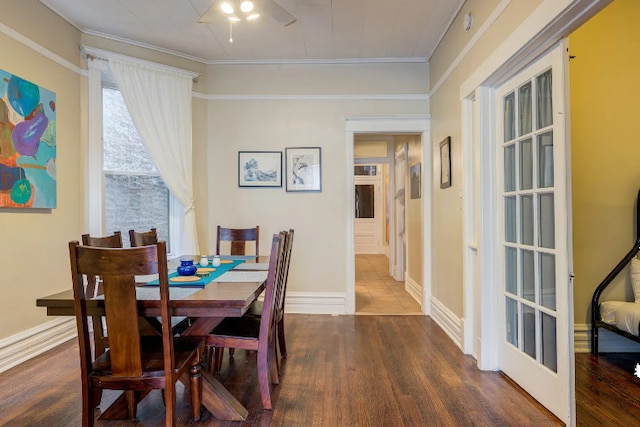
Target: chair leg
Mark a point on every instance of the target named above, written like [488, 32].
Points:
[88, 407]
[274, 366]
[263, 378]
[171, 416]
[131, 403]
[281, 340]
[196, 390]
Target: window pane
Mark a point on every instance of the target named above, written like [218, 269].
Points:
[122, 146]
[509, 117]
[511, 270]
[528, 276]
[526, 164]
[548, 280]
[549, 342]
[511, 313]
[526, 220]
[545, 160]
[510, 219]
[365, 198]
[544, 105]
[510, 168]
[524, 109]
[529, 330]
[138, 203]
[547, 221]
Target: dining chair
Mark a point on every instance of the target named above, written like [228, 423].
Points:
[238, 238]
[142, 238]
[256, 308]
[133, 363]
[256, 334]
[94, 285]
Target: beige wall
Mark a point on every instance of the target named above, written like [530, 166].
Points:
[34, 258]
[604, 149]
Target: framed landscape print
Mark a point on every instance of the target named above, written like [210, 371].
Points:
[303, 169]
[445, 163]
[260, 168]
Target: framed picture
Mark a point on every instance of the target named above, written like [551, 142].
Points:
[260, 168]
[445, 163]
[415, 178]
[303, 169]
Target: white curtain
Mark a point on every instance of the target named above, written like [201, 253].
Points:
[159, 101]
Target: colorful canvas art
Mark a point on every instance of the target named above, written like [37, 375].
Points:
[27, 144]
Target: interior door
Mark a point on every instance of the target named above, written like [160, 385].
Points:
[368, 215]
[535, 305]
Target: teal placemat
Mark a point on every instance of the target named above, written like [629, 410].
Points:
[202, 281]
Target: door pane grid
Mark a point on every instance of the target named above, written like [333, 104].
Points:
[529, 227]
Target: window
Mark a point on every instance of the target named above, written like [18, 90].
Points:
[135, 196]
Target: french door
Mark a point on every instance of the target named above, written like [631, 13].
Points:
[535, 302]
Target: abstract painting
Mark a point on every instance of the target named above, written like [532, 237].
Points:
[27, 144]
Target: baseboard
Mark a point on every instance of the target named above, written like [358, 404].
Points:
[414, 289]
[448, 321]
[315, 302]
[608, 342]
[28, 344]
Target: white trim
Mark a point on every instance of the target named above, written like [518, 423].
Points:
[315, 302]
[11, 33]
[414, 289]
[448, 321]
[28, 344]
[548, 23]
[412, 123]
[326, 61]
[486, 25]
[99, 54]
[316, 97]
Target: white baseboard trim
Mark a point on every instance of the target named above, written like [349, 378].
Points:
[28, 344]
[448, 321]
[316, 302]
[609, 342]
[414, 289]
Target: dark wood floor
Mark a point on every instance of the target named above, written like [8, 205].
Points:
[342, 370]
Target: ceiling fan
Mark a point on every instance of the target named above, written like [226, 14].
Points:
[249, 9]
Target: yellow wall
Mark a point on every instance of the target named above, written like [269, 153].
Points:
[34, 258]
[605, 147]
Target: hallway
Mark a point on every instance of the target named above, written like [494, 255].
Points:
[377, 292]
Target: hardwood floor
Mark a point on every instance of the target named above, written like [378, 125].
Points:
[377, 292]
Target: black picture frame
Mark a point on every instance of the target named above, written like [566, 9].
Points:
[260, 169]
[445, 163]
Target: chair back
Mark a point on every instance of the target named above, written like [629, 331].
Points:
[284, 274]
[94, 286]
[273, 282]
[238, 237]
[143, 238]
[118, 268]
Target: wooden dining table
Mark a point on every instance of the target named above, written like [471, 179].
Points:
[206, 307]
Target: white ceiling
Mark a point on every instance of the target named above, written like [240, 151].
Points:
[325, 29]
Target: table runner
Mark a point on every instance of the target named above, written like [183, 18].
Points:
[202, 281]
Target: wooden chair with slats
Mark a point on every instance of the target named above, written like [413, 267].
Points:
[133, 363]
[143, 238]
[94, 285]
[256, 334]
[256, 308]
[238, 238]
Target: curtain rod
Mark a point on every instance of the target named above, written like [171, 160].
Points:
[95, 56]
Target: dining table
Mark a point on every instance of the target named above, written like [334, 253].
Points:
[206, 306]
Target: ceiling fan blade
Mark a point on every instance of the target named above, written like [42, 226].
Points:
[278, 13]
[209, 15]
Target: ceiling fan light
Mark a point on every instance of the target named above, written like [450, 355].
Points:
[253, 16]
[226, 8]
[233, 19]
[246, 6]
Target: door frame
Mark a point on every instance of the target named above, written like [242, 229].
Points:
[414, 123]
